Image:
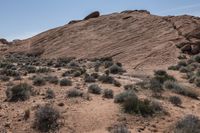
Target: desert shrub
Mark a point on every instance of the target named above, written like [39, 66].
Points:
[9, 72]
[94, 88]
[89, 79]
[74, 93]
[120, 129]
[46, 119]
[115, 69]
[182, 63]
[106, 79]
[39, 81]
[182, 57]
[173, 68]
[108, 93]
[197, 81]
[95, 75]
[52, 79]
[20, 92]
[17, 77]
[175, 87]
[120, 98]
[196, 58]
[64, 61]
[4, 78]
[43, 70]
[116, 83]
[65, 82]
[162, 76]
[30, 69]
[73, 64]
[183, 69]
[175, 100]
[129, 87]
[189, 124]
[108, 64]
[156, 87]
[50, 94]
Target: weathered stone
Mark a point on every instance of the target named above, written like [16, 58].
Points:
[95, 14]
[74, 21]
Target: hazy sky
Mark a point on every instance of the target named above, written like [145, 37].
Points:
[24, 18]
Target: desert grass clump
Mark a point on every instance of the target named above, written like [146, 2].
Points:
[65, 82]
[156, 87]
[108, 93]
[120, 98]
[189, 124]
[197, 81]
[106, 79]
[95, 89]
[50, 94]
[175, 68]
[183, 69]
[4, 78]
[119, 129]
[74, 93]
[89, 79]
[46, 119]
[20, 92]
[162, 76]
[175, 100]
[39, 81]
[115, 69]
[117, 83]
[52, 79]
[43, 70]
[196, 58]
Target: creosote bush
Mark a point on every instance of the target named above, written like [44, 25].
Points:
[106, 79]
[46, 119]
[65, 82]
[50, 94]
[94, 88]
[189, 124]
[115, 69]
[120, 98]
[108, 93]
[20, 92]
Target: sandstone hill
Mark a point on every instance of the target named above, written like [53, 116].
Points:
[135, 38]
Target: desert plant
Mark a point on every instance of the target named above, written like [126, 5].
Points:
[197, 81]
[52, 79]
[183, 69]
[74, 93]
[108, 93]
[65, 82]
[46, 119]
[106, 79]
[115, 69]
[173, 67]
[94, 88]
[175, 100]
[156, 87]
[50, 94]
[20, 92]
[39, 81]
[120, 129]
[189, 124]
[4, 78]
[89, 79]
[120, 98]
[162, 76]
[43, 70]
[116, 83]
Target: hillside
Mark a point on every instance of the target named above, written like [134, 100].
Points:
[136, 38]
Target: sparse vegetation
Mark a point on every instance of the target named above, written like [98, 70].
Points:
[20, 92]
[39, 81]
[189, 124]
[94, 88]
[120, 129]
[74, 93]
[175, 100]
[115, 69]
[108, 93]
[50, 94]
[46, 119]
[65, 82]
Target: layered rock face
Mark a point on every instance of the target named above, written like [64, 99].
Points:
[136, 38]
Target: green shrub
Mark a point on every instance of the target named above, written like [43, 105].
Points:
[189, 124]
[74, 93]
[173, 68]
[65, 82]
[182, 63]
[175, 100]
[39, 81]
[46, 119]
[156, 87]
[108, 93]
[94, 88]
[20, 92]
[43, 70]
[183, 69]
[50, 94]
[162, 76]
[30, 69]
[196, 58]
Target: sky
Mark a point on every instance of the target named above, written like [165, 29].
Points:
[20, 19]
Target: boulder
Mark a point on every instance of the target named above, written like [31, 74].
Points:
[95, 14]
[4, 41]
[74, 21]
